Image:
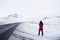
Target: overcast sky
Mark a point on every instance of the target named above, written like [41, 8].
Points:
[30, 8]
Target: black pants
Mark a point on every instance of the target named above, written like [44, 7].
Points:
[40, 30]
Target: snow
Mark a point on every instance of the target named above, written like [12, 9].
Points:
[12, 18]
[28, 30]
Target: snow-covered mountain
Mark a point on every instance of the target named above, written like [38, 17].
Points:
[12, 16]
[18, 18]
[10, 19]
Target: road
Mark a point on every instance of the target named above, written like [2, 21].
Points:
[6, 30]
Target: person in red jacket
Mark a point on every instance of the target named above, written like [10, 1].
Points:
[40, 28]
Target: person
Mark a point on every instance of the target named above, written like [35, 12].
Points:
[40, 28]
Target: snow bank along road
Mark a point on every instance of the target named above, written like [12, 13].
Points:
[6, 30]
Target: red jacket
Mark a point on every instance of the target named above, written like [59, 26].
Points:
[40, 26]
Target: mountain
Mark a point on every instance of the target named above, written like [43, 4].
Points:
[12, 16]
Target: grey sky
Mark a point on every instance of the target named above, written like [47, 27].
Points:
[15, 6]
[30, 8]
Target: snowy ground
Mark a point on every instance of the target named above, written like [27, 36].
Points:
[29, 31]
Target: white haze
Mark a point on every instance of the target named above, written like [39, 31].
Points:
[30, 8]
